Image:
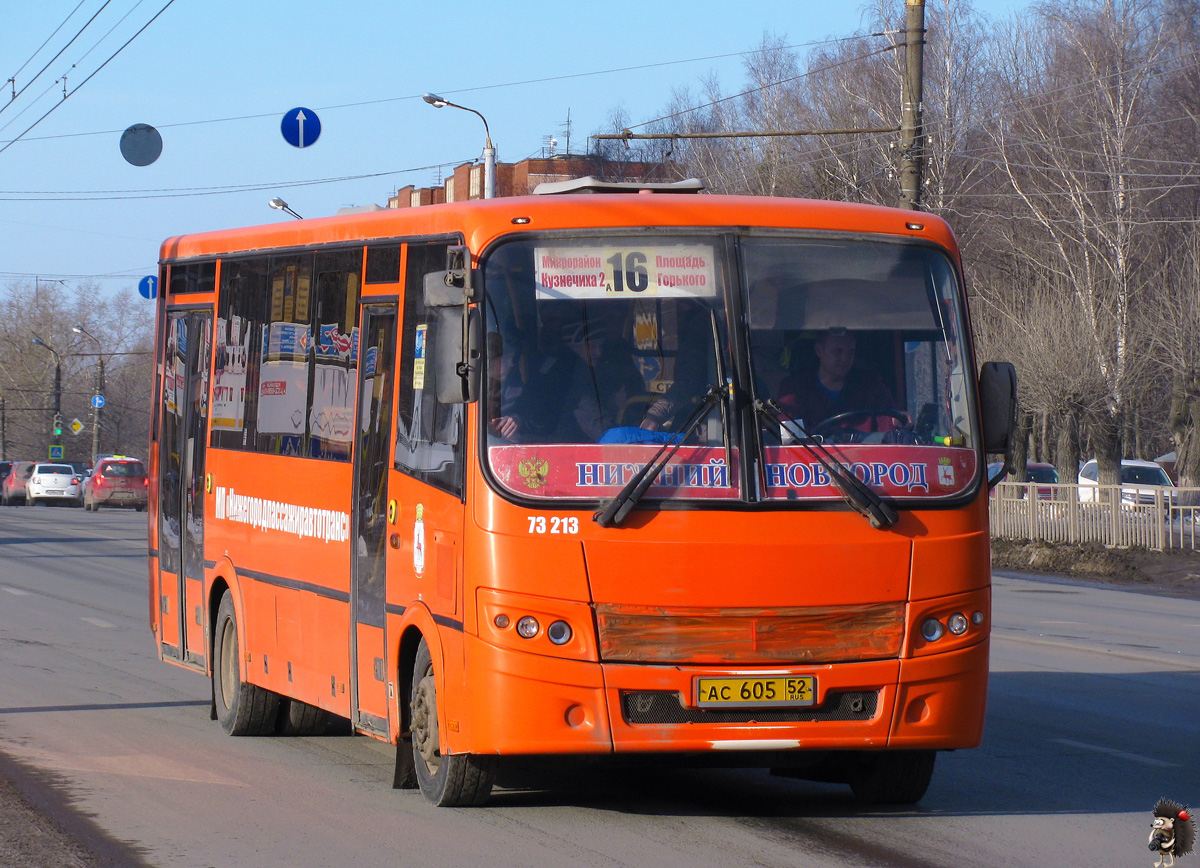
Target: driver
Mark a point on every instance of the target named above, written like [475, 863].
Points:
[837, 386]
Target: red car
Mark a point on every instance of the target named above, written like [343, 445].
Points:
[13, 489]
[116, 481]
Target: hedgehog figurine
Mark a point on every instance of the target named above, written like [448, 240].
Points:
[1173, 832]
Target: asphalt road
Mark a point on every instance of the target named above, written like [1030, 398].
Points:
[108, 757]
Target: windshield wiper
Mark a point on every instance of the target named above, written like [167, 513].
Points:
[862, 498]
[615, 511]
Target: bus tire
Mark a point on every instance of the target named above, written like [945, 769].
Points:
[242, 709]
[898, 777]
[298, 718]
[446, 780]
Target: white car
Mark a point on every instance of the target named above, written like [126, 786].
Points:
[1139, 482]
[49, 482]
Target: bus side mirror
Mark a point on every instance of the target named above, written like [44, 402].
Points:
[456, 355]
[998, 410]
[454, 285]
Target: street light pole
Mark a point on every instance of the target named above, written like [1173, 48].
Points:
[489, 151]
[57, 391]
[97, 411]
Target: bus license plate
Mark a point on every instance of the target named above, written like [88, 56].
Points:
[741, 692]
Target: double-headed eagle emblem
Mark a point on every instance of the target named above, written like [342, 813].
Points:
[534, 470]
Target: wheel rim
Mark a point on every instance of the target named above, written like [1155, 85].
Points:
[425, 723]
[228, 663]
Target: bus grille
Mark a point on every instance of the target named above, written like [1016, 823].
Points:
[665, 706]
[807, 635]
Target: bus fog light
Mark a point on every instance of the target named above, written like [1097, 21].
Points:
[502, 621]
[559, 632]
[957, 624]
[528, 627]
[932, 629]
[977, 618]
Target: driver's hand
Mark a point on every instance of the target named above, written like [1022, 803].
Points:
[505, 426]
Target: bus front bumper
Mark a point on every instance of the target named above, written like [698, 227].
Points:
[526, 704]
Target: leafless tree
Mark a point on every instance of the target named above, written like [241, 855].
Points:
[122, 326]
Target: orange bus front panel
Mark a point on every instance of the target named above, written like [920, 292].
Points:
[942, 700]
[522, 703]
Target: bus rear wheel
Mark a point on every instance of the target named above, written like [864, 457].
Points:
[446, 780]
[898, 777]
[298, 718]
[242, 709]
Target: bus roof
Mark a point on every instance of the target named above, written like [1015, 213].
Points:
[480, 221]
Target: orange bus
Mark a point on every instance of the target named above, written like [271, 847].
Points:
[631, 474]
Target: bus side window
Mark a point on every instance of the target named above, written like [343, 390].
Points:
[430, 436]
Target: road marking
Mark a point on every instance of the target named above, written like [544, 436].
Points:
[96, 622]
[1137, 758]
[18, 592]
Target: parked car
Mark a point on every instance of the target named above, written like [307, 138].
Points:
[1035, 471]
[13, 490]
[5, 469]
[53, 482]
[1140, 480]
[116, 481]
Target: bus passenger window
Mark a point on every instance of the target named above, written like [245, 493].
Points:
[383, 263]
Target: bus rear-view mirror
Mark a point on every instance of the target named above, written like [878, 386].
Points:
[456, 355]
[998, 405]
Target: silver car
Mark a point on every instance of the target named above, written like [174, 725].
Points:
[53, 482]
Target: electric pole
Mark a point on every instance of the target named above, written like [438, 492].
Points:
[97, 417]
[912, 132]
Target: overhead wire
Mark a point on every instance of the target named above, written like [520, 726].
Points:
[186, 192]
[70, 42]
[90, 77]
[472, 89]
[13, 77]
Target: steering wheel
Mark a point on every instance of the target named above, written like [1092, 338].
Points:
[836, 429]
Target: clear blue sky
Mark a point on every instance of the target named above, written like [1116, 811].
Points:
[215, 77]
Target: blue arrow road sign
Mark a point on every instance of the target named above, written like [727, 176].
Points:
[148, 286]
[97, 401]
[300, 127]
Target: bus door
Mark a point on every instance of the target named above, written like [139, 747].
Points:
[183, 436]
[368, 679]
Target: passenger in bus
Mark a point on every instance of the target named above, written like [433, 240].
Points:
[579, 389]
[835, 386]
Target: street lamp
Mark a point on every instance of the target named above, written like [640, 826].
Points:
[57, 390]
[97, 406]
[489, 152]
[279, 205]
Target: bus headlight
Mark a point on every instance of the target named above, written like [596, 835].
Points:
[536, 625]
[957, 624]
[559, 633]
[932, 629]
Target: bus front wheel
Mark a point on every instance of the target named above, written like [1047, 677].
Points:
[898, 777]
[446, 780]
[242, 709]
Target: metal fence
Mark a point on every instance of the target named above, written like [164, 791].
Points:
[1159, 519]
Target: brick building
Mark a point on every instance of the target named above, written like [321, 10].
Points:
[519, 179]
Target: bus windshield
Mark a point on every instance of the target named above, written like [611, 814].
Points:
[858, 345]
[601, 348]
